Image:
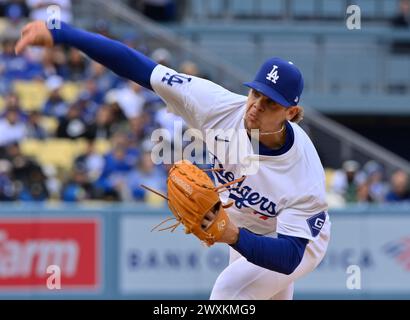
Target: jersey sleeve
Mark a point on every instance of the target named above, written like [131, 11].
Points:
[304, 219]
[194, 99]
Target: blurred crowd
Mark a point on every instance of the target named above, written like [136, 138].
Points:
[106, 107]
[366, 184]
[112, 109]
[17, 10]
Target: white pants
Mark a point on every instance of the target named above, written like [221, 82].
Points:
[243, 280]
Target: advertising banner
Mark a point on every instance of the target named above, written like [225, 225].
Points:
[165, 262]
[367, 254]
[28, 247]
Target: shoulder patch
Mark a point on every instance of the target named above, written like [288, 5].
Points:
[316, 223]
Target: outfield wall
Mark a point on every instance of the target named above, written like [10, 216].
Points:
[108, 252]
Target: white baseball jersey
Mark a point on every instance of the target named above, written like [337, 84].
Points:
[287, 193]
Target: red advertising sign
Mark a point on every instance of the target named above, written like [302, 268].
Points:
[29, 246]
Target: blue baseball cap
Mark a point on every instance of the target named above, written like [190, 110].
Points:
[280, 80]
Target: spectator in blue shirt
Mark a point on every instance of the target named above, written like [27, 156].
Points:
[399, 187]
[146, 173]
[55, 106]
[117, 165]
[78, 188]
[18, 67]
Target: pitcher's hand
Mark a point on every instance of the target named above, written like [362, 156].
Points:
[230, 236]
[34, 34]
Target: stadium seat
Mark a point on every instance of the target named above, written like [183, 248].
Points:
[270, 8]
[380, 10]
[154, 200]
[334, 9]
[351, 67]
[389, 8]
[214, 8]
[70, 91]
[57, 152]
[303, 9]
[329, 176]
[368, 8]
[32, 94]
[238, 51]
[398, 73]
[257, 9]
[31, 147]
[204, 9]
[197, 9]
[50, 124]
[102, 146]
[4, 24]
[60, 153]
[242, 9]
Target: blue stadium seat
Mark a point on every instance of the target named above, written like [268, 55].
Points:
[197, 8]
[207, 8]
[215, 8]
[240, 8]
[390, 8]
[299, 9]
[351, 67]
[398, 72]
[368, 8]
[271, 8]
[245, 9]
[335, 9]
[238, 51]
[303, 9]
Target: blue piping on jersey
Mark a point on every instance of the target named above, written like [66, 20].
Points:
[289, 140]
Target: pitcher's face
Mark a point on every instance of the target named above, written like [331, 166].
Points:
[263, 113]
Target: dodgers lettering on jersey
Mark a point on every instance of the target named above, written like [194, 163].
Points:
[243, 195]
[287, 193]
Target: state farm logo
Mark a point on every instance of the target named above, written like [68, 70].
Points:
[34, 256]
[28, 248]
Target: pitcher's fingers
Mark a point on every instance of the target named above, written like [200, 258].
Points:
[26, 29]
[22, 44]
[210, 215]
[205, 223]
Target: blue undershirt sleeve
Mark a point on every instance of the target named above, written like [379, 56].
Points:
[119, 58]
[282, 254]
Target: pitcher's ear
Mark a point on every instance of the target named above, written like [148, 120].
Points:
[295, 114]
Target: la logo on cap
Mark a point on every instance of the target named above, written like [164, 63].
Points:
[273, 75]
